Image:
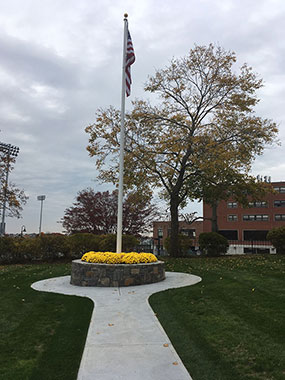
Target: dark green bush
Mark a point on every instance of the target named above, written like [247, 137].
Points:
[185, 243]
[108, 243]
[213, 244]
[129, 243]
[83, 242]
[48, 247]
[277, 238]
[53, 246]
[29, 249]
[8, 250]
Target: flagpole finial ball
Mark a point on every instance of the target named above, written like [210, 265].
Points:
[125, 15]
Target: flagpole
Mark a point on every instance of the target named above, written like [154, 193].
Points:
[122, 142]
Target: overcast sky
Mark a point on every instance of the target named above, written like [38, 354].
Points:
[60, 60]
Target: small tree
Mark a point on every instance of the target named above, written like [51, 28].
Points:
[96, 212]
[15, 198]
[277, 238]
[213, 244]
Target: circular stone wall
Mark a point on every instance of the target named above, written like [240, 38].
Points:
[94, 274]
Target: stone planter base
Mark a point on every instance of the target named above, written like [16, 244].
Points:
[93, 274]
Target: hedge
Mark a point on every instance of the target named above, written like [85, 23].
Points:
[49, 247]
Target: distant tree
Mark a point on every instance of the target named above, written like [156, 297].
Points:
[277, 238]
[96, 212]
[15, 197]
[206, 105]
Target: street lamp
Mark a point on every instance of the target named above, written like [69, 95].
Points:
[41, 198]
[9, 150]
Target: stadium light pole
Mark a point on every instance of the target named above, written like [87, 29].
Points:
[41, 198]
[9, 150]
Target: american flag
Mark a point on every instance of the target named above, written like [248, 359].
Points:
[130, 59]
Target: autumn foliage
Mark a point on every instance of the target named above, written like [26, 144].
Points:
[96, 212]
[202, 121]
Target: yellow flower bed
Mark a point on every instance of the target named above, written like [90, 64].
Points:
[118, 258]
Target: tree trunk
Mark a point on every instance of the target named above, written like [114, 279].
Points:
[174, 225]
[214, 217]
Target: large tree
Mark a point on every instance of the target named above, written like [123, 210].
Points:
[15, 197]
[204, 104]
[96, 212]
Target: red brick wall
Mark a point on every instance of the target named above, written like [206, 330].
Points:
[240, 225]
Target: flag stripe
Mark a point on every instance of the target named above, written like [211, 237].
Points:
[130, 59]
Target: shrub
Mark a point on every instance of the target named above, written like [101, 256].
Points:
[29, 249]
[277, 238]
[185, 243]
[83, 242]
[8, 250]
[213, 244]
[53, 246]
[108, 243]
[48, 247]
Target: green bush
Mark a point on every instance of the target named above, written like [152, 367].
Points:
[277, 238]
[83, 242]
[185, 243]
[213, 244]
[109, 242]
[8, 250]
[49, 247]
[29, 249]
[53, 246]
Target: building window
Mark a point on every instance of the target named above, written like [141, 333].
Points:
[232, 204]
[160, 232]
[232, 218]
[187, 232]
[260, 217]
[229, 234]
[257, 204]
[279, 203]
[279, 217]
[255, 235]
[280, 189]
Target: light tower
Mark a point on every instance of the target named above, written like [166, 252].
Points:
[41, 198]
[9, 150]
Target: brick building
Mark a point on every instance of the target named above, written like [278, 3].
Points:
[161, 230]
[246, 228]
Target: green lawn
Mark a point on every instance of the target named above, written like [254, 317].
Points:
[229, 326]
[232, 324]
[42, 335]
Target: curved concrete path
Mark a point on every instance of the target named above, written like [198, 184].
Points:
[125, 340]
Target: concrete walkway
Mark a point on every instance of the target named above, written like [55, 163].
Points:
[125, 340]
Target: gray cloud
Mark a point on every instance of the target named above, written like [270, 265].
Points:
[58, 64]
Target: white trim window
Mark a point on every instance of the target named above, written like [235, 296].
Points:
[260, 217]
[232, 218]
[280, 217]
[232, 204]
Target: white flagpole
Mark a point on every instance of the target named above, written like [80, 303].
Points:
[122, 142]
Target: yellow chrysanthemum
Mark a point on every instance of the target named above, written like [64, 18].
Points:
[118, 258]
